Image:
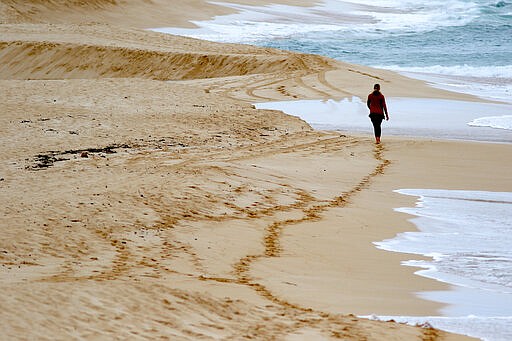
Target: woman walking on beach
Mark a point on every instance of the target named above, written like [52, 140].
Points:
[377, 105]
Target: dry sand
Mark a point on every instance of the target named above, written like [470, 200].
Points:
[143, 196]
[132, 13]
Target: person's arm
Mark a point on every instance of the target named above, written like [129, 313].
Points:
[385, 108]
[368, 101]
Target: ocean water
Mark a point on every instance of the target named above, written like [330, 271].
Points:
[459, 45]
[468, 235]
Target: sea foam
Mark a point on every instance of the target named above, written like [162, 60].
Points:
[468, 235]
[469, 232]
[257, 23]
[497, 71]
[498, 122]
[486, 328]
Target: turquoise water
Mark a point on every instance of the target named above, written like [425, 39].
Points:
[467, 34]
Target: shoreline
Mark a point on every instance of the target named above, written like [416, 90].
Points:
[191, 210]
[383, 200]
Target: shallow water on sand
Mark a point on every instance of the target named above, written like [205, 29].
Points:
[430, 118]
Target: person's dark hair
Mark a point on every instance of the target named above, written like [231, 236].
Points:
[376, 87]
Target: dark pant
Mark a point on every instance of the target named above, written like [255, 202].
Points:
[376, 121]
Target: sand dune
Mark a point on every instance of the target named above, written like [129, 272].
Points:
[126, 54]
[48, 60]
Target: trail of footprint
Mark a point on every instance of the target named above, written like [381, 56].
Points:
[344, 326]
[273, 233]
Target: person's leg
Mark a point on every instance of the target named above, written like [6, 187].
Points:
[377, 121]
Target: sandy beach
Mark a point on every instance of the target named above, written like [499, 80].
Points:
[144, 196]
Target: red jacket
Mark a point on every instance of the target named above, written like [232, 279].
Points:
[376, 103]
